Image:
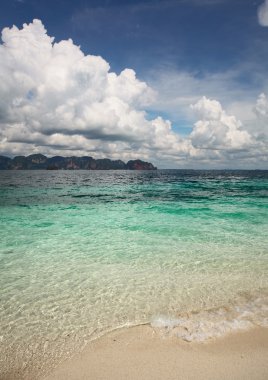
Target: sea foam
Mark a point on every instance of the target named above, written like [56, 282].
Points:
[208, 324]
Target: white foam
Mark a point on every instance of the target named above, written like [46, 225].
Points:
[162, 321]
[204, 325]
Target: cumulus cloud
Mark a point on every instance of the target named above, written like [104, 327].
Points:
[53, 95]
[49, 89]
[217, 129]
[54, 87]
[54, 99]
[224, 134]
[263, 14]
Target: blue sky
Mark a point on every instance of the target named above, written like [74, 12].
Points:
[183, 49]
[197, 35]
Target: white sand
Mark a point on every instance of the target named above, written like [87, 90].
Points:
[139, 353]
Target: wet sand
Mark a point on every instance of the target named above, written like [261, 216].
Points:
[140, 353]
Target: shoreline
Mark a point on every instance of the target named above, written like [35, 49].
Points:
[141, 353]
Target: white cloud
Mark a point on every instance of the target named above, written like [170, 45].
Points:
[177, 89]
[261, 107]
[261, 126]
[263, 14]
[216, 129]
[56, 100]
[55, 87]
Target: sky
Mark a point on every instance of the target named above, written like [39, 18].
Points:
[180, 83]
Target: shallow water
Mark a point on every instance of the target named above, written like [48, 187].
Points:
[85, 252]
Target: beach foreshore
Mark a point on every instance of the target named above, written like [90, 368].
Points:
[140, 353]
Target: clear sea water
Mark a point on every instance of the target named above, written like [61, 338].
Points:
[86, 252]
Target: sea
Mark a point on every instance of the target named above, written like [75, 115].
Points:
[83, 253]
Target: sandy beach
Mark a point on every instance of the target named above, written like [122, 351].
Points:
[140, 353]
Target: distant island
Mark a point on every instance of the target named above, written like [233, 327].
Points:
[41, 162]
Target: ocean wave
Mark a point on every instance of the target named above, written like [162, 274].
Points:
[201, 326]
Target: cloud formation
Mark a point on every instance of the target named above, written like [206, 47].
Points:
[261, 107]
[261, 130]
[56, 100]
[263, 14]
[216, 129]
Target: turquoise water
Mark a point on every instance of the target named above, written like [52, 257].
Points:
[85, 252]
